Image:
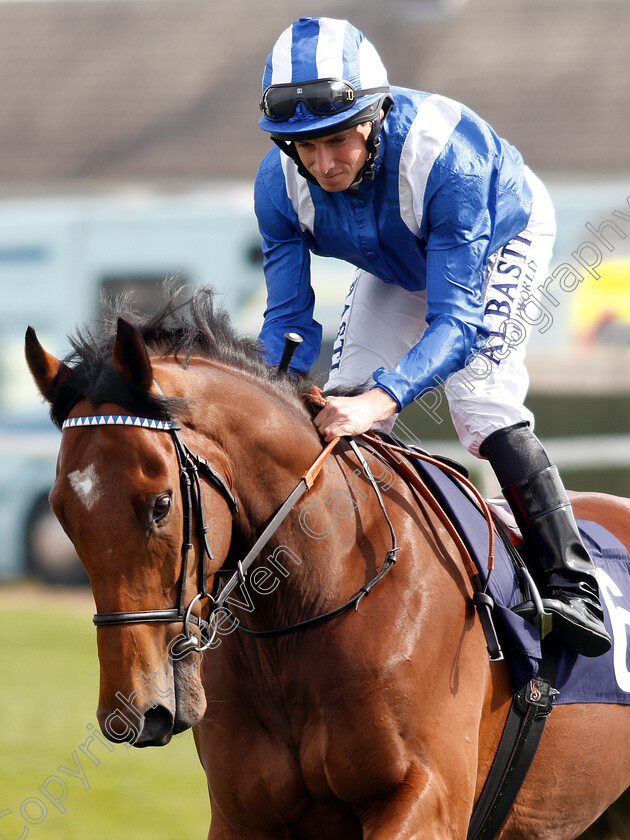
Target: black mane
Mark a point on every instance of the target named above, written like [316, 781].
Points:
[186, 326]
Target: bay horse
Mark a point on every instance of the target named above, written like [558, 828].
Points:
[379, 724]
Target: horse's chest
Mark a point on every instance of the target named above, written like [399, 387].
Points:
[308, 754]
[313, 784]
[352, 756]
[312, 774]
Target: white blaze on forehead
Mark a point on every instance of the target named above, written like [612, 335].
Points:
[86, 485]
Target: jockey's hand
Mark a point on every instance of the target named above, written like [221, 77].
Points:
[354, 415]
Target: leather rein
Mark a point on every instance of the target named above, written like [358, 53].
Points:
[193, 467]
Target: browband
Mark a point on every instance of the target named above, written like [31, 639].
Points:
[118, 420]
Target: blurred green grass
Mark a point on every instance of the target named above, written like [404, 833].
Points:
[48, 697]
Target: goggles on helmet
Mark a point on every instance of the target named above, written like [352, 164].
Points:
[322, 97]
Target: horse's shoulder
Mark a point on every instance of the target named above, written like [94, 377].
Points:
[588, 502]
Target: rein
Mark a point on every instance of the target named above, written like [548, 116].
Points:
[356, 599]
[193, 466]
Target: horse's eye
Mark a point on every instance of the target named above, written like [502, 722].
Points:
[161, 507]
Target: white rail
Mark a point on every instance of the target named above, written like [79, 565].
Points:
[583, 452]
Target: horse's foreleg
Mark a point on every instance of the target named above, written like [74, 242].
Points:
[220, 830]
[420, 808]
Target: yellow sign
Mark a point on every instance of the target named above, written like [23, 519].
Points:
[601, 306]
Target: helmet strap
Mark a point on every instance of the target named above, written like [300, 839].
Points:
[373, 141]
[373, 144]
[288, 147]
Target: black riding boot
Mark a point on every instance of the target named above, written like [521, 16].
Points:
[536, 495]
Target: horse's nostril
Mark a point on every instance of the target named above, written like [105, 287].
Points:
[157, 728]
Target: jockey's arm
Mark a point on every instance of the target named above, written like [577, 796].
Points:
[290, 297]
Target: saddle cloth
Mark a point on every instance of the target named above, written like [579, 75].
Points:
[579, 679]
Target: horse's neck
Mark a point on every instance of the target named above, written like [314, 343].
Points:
[264, 442]
[312, 560]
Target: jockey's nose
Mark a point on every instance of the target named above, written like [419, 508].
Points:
[325, 160]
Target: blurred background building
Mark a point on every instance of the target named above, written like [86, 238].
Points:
[128, 148]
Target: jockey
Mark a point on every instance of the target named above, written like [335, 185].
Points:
[449, 233]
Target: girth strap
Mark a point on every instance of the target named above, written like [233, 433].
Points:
[521, 736]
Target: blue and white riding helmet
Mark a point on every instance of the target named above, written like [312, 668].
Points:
[323, 76]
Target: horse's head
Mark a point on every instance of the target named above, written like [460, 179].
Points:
[118, 495]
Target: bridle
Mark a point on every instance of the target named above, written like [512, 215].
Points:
[192, 467]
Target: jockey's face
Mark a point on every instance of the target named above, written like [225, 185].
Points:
[336, 159]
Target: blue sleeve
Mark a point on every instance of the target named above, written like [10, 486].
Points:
[286, 263]
[458, 221]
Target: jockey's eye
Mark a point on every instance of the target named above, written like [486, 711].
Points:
[161, 507]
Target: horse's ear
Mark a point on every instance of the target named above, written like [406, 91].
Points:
[47, 371]
[131, 358]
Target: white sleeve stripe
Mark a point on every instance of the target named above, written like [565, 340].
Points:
[299, 195]
[429, 133]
